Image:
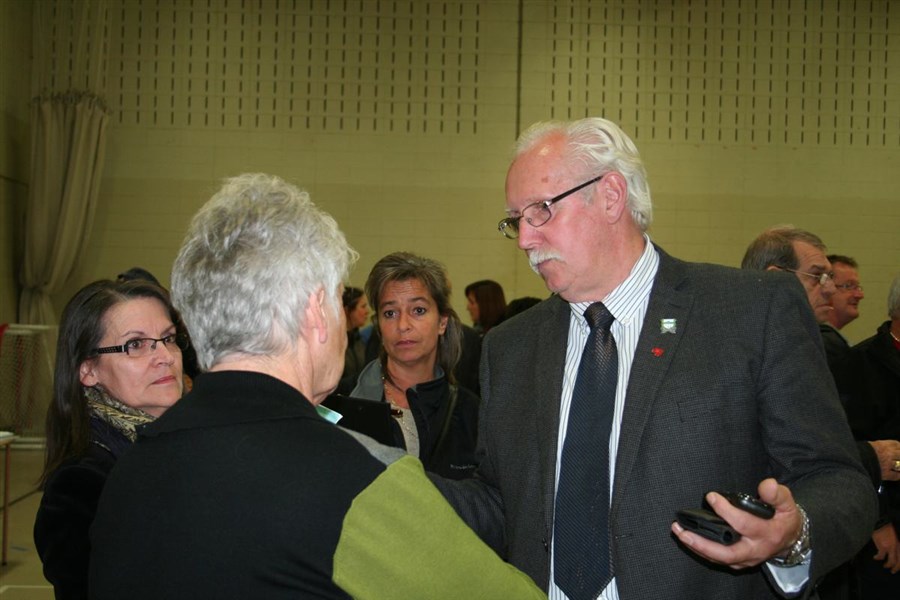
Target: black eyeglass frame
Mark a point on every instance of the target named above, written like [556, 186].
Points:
[178, 340]
[510, 225]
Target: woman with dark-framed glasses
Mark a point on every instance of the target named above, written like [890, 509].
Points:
[118, 366]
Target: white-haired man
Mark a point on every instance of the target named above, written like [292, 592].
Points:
[700, 379]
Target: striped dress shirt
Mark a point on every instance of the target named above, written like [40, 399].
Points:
[628, 304]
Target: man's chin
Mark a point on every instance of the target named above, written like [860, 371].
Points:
[822, 313]
[554, 286]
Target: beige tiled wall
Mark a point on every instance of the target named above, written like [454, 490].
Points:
[399, 117]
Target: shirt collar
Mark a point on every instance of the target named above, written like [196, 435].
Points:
[625, 300]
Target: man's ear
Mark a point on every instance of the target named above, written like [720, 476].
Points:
[316, 320]
[87, 373]
[773, 268]
[613, 193]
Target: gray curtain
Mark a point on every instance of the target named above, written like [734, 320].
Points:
[68, 140]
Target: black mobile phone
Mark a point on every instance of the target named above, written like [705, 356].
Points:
[711, 526]
[707, 524]
[751, 504]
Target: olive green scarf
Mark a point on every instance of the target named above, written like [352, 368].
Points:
[113, 412]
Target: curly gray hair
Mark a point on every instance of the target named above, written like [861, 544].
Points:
[252, 256]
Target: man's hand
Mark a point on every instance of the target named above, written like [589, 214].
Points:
[888, 452]
[761, 539]
[885, 539]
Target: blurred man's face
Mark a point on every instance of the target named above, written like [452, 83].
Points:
[847, 296]
[812, 263]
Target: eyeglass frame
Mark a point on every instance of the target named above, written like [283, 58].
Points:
[510, 223]
[821, 279]
[176, 339]
[849, 287]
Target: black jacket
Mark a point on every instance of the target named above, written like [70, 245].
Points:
[450, 454]
[836, 347]
[869, 382]
[242, 491]
[67, 510]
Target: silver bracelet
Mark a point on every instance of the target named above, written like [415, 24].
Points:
[800, 550]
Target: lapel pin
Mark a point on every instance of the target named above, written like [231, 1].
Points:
[667, 326]
[657, 352]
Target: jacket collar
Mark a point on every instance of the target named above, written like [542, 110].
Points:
[225, 398]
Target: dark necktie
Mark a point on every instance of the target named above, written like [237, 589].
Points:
[582, 564]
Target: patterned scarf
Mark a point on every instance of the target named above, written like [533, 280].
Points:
[109, 410]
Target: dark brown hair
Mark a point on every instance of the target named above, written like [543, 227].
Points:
[80, 330]
[491, 302]
[403, 266]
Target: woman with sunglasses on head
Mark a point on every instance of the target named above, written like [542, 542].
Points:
[118, 366]
[433, 418]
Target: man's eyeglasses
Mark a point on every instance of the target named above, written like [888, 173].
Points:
[849, 287]
[821, 278]
[538, 213]
[139, 347]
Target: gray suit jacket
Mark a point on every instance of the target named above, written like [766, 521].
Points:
[739, 393]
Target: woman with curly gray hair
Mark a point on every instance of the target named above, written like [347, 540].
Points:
[246, 488]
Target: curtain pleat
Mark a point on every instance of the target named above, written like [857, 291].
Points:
[67, 151]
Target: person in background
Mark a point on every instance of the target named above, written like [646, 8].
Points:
[801, 252]
[356, 311]
[466, 370]
[869, 382]
[188, 354]
[118, 366]
[797, 251]
[519, 305]
[486, 304]
[848, 293]
[243, 490]
[433, 418]
[138, 273]
[787, 248]
[646, 385]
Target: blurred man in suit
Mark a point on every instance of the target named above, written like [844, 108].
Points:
[848, 293]
[869, 382]
[788, 248]
[797, 251]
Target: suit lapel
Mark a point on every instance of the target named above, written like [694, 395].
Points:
[669, 303]
[553, 335]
